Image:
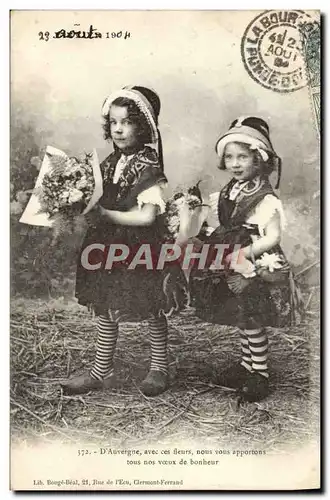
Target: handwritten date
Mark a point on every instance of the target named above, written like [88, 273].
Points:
[90, 34]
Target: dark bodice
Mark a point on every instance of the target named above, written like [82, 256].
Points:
[141, 172]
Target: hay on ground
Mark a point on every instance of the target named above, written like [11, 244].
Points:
[52, 340]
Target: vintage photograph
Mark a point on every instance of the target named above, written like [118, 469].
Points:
[165, 250]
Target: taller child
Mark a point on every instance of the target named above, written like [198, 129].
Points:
[133, 182]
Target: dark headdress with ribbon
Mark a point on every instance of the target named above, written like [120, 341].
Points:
[148, 103]
[253, 131]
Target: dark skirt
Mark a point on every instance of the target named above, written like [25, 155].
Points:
[273, 301]
[130, 294]
[259, 304]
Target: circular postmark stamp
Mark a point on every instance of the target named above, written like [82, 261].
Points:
[273, 48]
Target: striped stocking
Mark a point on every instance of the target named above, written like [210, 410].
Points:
[158, 344]
[106, 345]
[246, 353]
[258, 345]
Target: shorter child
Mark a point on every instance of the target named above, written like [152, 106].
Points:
[261, 291]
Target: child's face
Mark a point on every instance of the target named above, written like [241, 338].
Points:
[240, 161]
[123, 130]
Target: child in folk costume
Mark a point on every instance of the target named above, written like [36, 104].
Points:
[133, 182]
[256, 289]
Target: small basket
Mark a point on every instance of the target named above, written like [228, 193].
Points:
[277, 276]
[237, 283]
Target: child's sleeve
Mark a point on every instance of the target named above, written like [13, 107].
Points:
[264, 212]
[154, 195]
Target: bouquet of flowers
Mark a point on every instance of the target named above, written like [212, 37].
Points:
[65, 188]
[185, 215]
[184, 220]
[272, 268]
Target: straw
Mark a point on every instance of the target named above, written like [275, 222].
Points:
[52, 340]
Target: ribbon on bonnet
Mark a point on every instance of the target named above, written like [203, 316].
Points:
[254, 132]
[149, 111]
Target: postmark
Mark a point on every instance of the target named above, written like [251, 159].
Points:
[273, 49]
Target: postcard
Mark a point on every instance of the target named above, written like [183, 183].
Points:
[165, 250]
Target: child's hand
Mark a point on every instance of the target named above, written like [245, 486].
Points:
[239, 263]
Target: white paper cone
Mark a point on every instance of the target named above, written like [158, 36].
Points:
[191, 221]
[30, 214]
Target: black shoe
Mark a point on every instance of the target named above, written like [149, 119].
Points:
[79, 384]
[234, 377]
[255, 388]
[155, 383]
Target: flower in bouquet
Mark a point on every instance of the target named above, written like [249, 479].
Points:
[272, 267]
[67, 187]
[263, 267]
[270, 261]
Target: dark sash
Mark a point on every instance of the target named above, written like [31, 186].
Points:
[141, 172]
[232, 214]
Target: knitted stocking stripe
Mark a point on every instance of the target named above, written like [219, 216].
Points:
[159, 331]
[254, 333]
[260, 357]
[158, 344]
[258, 344]
[104, 318]
[246, 354]
[246, 365]
[258, 350]
[106, 345]
[261, 370]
